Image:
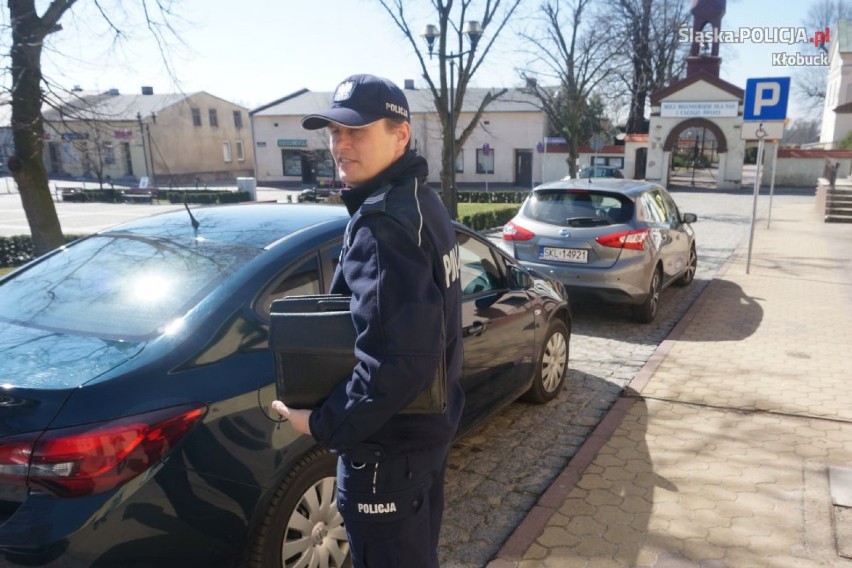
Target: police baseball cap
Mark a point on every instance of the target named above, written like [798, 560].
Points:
[361, 100]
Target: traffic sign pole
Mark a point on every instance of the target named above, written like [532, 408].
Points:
[765, 103]
[772, 182]
[754, 204]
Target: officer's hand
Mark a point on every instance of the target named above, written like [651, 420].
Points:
[299, 419]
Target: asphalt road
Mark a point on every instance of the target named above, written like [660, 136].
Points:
[85, 218]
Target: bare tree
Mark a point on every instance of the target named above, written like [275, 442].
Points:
[668, 53]
[30, 90]
[824, 14]
[29, 31]
[451, 16]
[811, 82]
[654, 57]
[575, 58]
[802, 132]
[636, 16]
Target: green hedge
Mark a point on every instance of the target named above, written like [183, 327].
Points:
[492, 196]
[18, 250]
[486, 220]
[204, 197]
[93, 195]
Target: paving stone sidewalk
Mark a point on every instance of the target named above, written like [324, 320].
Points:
[729, 447]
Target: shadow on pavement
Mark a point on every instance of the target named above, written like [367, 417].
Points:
[727, 314]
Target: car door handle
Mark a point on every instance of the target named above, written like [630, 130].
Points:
[475, 329]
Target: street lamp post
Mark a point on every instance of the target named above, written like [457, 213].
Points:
[151, 148]
[473, 30]
[142, 138]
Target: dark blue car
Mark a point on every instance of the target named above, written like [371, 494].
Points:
[136, 382]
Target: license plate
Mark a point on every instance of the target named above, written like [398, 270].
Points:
[564, 254]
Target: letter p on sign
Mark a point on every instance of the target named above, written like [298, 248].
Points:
[768, 95]
[766, 99]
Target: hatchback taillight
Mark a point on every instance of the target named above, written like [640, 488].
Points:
[90, 459]
[625, 239]
[514, 232]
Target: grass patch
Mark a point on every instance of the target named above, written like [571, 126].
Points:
[6, 270]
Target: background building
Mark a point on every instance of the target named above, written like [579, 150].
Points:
[837, 109]
[170, 139]
[512, 127]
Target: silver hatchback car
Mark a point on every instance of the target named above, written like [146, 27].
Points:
[623, 241]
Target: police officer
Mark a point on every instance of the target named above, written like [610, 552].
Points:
[400, 265]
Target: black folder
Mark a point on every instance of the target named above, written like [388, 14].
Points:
[313, 340]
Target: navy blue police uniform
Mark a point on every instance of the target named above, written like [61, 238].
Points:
[400, 264]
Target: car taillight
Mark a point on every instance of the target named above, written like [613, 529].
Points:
[514, 232]
[90, 459]
[626, 239]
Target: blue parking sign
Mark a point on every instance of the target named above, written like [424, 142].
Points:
[766, 99]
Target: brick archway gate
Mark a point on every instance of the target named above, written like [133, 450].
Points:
[671, 142]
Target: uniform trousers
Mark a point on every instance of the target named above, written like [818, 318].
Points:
[392, 506]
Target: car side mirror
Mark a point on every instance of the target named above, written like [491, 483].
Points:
[689, 218]
[518, 278]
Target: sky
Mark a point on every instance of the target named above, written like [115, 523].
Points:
[254, 52]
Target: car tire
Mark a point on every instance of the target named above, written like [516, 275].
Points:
[302, 526]
[689, 274]
[552, 364]
[647, 310]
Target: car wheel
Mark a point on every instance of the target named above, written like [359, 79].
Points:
[552, 365]
[302, 526]
[647, 310]
[689, 274]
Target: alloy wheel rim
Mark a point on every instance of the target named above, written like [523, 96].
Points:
[693, 265]
[655, 292]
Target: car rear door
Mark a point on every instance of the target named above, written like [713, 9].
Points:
[667, 233]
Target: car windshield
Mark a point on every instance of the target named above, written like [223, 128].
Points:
[119, 286]
[578, 208]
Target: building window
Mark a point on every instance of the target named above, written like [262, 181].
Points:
[196, 117]
[325, 164]
[240, 155]
[238, 118]
[214, 118]
[460, 162]
[484, 162]
[226, 150]
[108, 151]
[607, 161]
[292, 162]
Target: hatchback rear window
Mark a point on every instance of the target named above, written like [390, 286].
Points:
[578, 208]
[120, 286]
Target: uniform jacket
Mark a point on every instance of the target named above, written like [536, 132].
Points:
[400, 264]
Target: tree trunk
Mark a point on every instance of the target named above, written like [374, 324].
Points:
[449, 194]
[642, 70]
[27, 166]
[636, 118]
